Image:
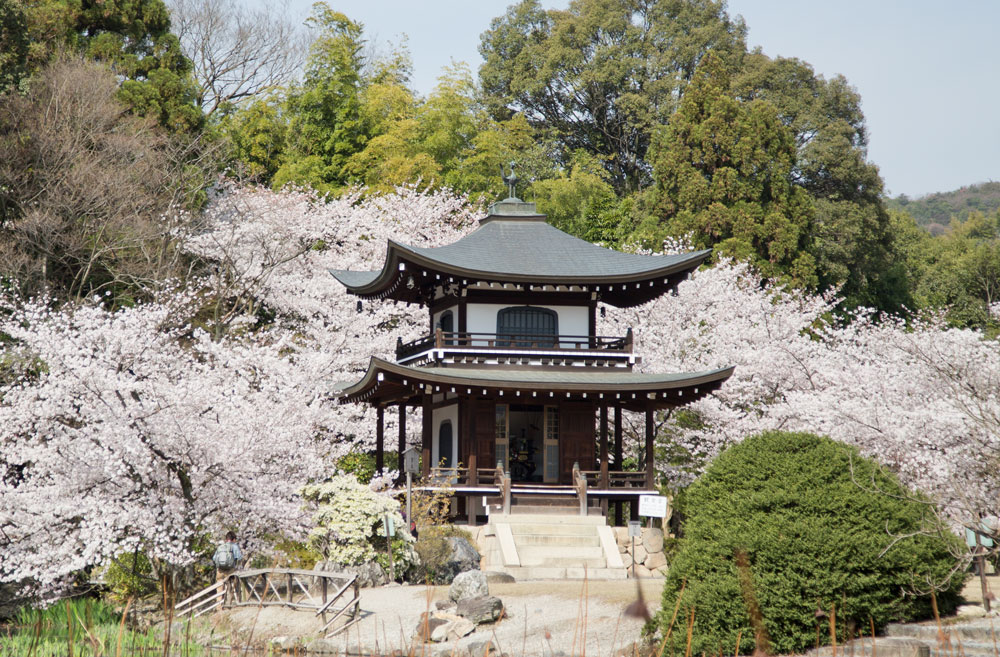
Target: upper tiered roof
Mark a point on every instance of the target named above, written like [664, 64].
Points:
[515, 245]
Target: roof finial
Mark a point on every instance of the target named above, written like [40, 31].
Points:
[510, 180]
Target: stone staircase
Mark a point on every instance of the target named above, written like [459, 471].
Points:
[552, 543]
[961, 638]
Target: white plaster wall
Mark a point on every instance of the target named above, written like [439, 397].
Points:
[482, 318]
[439, 416]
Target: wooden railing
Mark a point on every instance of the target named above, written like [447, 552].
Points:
[454, 340]
[615, 479]
[325, 592]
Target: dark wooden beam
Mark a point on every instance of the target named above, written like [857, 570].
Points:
[619, 506]
[380, 439]
[402, 434]
[604, 446]
[650, 471]
[426, 435]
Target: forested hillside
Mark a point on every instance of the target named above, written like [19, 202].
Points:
[935, 211]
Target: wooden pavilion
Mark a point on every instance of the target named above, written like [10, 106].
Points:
[515, 385]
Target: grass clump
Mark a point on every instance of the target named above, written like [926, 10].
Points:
[787, 529]
[82, 627]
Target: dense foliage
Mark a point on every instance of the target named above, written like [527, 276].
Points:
[348, 523]
[785, 526]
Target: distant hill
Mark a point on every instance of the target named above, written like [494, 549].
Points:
[934, 211]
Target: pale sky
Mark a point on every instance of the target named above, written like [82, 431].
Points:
[928, 72]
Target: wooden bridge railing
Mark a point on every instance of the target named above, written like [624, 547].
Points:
[325, 592]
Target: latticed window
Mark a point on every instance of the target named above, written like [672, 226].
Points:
[527, 326]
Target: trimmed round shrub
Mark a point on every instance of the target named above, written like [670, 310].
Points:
[784, 528]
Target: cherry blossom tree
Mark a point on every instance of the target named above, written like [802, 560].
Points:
[147, 427]
[917, 396]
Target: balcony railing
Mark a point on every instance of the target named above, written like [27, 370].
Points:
[519, 342]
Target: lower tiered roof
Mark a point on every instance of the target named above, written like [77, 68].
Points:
[386, 382]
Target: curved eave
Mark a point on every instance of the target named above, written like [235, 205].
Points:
[622, 290]
[386, 382]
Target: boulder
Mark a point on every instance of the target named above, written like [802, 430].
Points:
[470, 584]
[655, 560]
[627, 560]
[429, 622]
[640, 554]
[652, 540]
[642, 571]
[622, 537]
[440, 627]
[497, 577]
[480, 649]
[480, 609]
[444, 605]
[462, 556]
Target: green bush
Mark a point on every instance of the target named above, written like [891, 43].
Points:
[812, 518]
[129, 575]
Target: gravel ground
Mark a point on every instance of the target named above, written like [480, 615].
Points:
[542, 618]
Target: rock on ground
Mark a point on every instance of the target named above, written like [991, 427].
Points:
[470, 584]
[480, 609]
[438, 627]
[463, 557]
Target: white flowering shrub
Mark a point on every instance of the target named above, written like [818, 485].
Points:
[348, 523]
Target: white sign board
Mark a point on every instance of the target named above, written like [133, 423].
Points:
[654, 506]
[634, 528]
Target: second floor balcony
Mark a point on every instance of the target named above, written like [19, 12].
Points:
[525, 347]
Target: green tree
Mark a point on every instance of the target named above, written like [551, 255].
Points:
[134, 38]
[603, 74]
[325, 127]
[959, 270]
[852, 238]
[723, 175]
[784, 524]
[256, 136]
[13, 43]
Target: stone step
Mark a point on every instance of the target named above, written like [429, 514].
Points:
[551, 510]
[529, 573]
[978, 631]
[582, 540]
[907, 647]
[562, 562]
[553, 552]
[519, 529]
[547, 518]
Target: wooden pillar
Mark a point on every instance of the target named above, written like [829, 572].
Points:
[402, 433]
[604, 447]
[426, 435]
[650, 471]
[619, 506]
[380, 439]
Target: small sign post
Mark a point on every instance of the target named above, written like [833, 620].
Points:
[653, 506]
[411, 464]
[634, 530]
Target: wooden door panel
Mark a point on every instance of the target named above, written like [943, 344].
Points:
[576, 438]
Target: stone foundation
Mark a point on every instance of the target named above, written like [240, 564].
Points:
[648, 558]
